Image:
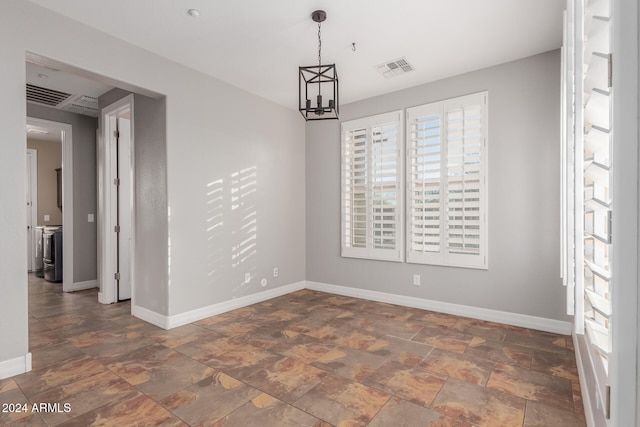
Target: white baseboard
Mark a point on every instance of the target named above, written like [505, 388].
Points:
[223, 307]
[514, 319]
[17, 366]
[81, 286]
[152, 317]
[170, 322]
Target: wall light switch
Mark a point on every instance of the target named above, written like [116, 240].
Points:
[47, 217]
[90, 218]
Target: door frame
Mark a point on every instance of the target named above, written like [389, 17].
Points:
[66, 136]
[32, 155]
[107, 248]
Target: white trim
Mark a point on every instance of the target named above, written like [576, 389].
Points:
[223, 307]
[514, 319]
[17, 366]
[584, 390]
[67, 197]
[87, 284]
[170, 322]
[109, 292]
[160, 320]
[34, 203]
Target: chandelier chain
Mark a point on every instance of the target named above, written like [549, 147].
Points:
[319, 46]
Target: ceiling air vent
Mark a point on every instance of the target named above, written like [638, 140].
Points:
[45, 96]
[81, 104]
[394, 68]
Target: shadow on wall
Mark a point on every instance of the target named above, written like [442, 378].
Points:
[241, 226]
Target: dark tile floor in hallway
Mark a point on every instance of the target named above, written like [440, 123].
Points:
[304, 359]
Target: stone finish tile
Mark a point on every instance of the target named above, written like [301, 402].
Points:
[10, 393]
[497, 352]
[179, 336]
[58, 375]
[268, 336]
[358, 339]
[205, 348]
[400, 413]
[578, 406]
[557, 364]
[159, 371]
[413, 384]
[349, 363]
[83, 395]
[242, 361]
[444, 337]
[463, 367]
[302, 348]
[478, 405]
[531, 385]
[270, 412]
[490, 331]
[54, 354]
[540, 415]
[342, 402]
[32, 420]
[401, 350]
[287, 379]
[431, 318]
[338, 360]
[194, 404]
[135, 410]
[537, 340]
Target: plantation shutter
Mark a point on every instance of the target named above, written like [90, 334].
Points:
[446, 181]
[424, 182]
[372, 190]
[597, 192]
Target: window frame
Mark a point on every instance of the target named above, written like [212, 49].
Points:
[446, 257]
[369, 251]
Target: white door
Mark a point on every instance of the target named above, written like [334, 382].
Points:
[124, 208]
[115, 207]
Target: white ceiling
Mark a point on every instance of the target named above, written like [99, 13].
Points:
[258, 45]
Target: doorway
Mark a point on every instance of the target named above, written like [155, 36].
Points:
[115, 201]
[60, 133]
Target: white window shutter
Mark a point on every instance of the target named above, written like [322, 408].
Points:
[372, 187]
[446, 182]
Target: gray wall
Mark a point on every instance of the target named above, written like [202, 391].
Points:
[84, 186]
[523, 179]
[150, 195]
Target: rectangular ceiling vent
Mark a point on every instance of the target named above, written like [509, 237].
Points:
[394, 68]
[81, 104]
[42, 95]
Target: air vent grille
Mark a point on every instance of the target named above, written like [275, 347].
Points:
[45, 96]
[394, 68]
[81, 104]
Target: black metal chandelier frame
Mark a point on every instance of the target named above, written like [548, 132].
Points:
[315, 78]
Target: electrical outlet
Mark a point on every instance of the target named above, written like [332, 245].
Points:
[275, 272]
[247, 277]
[416, 280]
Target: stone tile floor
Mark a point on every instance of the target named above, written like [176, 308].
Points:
[304, 359]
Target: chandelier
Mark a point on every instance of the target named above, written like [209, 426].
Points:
[317, 83]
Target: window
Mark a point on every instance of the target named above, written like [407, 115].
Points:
[446, 182]
[372, 190]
